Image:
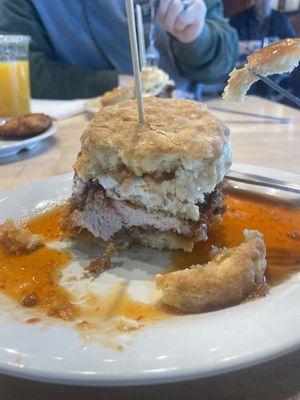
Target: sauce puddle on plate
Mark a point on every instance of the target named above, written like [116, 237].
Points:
[279, 221]
[32, 280]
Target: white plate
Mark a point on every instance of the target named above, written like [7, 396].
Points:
[181, 348]
[12, 147]
[92, 106]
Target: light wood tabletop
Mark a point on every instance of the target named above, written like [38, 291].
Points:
[254, 141]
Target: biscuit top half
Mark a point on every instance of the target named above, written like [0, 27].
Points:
[176, 134]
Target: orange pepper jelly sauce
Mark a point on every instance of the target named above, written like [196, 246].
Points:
[33, 281]
[279, 221]
[31, 278]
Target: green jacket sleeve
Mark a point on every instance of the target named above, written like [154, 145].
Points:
[50, 78]
[210, 57]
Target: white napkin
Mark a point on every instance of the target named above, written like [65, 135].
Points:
[58, 109]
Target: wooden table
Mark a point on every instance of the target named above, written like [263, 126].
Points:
[264, 143]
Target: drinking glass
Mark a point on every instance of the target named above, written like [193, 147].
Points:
[14, 76]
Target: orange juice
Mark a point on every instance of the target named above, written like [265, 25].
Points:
[14, 88]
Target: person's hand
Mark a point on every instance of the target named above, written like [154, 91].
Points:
[185, 23]
[126, 80]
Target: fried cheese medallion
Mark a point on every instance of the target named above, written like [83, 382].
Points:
[277, 58]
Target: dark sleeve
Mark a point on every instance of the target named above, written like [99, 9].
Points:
[49, 77]
[287, 31]
[237, 22]
[210, 57]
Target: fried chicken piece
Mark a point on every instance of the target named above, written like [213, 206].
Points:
[96, 266]
[23, 127]
[17, 239]
[229, 278]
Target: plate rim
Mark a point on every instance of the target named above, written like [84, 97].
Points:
[144, 378]
[23, 144]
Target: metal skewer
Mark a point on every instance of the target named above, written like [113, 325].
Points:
[141, 37]
[249, 114]
[135, 59]
[278, 88]
[259, 180]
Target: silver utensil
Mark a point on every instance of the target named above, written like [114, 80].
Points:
[249, 114]
[152, 54]
[278, 88]
[259, 180]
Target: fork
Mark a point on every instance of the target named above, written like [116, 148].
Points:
[259, 180]
[278, 88]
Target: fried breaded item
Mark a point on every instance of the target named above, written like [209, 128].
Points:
[98, 265]
[281, 56]
[154, 82]
[23, 127]
[116, 95]
[18, 239]
[231, 276]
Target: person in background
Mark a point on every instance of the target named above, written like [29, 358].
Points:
[80, 48]
[262, 21]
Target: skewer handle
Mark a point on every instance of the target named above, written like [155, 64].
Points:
[135, 59]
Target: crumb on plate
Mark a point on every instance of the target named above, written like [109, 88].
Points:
[18, 239]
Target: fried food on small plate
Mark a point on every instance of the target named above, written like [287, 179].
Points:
[24, 127]
[18, 239]
[277, 58]
[229, 278]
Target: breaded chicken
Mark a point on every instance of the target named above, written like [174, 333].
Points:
[17, 239]
[231, 276]
[23, 127]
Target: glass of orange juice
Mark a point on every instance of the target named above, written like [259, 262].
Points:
[14, 76]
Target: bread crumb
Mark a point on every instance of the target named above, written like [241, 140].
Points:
[98, 265]
[124, 324]
[17, 239]
[30, 300]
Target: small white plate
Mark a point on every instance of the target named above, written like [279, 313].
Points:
[12, 147]
[180, 348]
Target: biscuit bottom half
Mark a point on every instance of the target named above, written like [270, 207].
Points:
[120, 221]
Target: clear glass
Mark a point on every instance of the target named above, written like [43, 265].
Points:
[152, 54]
[14, 76]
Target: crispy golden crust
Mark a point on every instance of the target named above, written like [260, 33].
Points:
[240, 81]
[175, 130]
[29, 125]
[227, 279]
[17, 239]
[279, 57]
[275, 51]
